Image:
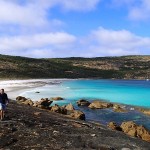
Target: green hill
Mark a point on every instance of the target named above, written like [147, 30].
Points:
[126, 67]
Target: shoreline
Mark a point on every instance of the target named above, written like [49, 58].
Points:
[17, 87]
[96, 128]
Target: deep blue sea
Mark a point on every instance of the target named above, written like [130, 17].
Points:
[131, 92]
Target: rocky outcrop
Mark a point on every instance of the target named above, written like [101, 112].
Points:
[129, 128]
[114, 126]
[24, 100]
[21, 99]
[100, 105]
[77, 115]
[69, 111]
[118, 108]
[83, 102]
[146, 112]
[134, 130]
[43, 103]
[57, 98]
[56, 108]
[26, 126]
[28, 102]
[69, 107]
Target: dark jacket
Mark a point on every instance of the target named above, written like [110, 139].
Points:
[4, 98]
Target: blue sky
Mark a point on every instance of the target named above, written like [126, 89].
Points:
[74, 28]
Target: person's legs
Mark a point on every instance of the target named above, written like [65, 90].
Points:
[3, 113]
[1, 117]
[3, 110]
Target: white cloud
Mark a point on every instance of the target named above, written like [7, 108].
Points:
[104, 42]
[34, 12]
[100, 42]
[28, 29]
[19, 43]
[138, 10]
[26, 16]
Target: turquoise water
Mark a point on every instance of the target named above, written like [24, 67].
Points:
[132, 92]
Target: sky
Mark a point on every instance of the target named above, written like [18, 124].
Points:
[74, 28]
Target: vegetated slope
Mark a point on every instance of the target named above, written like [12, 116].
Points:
[126, 67]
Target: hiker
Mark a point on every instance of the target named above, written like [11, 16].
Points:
[3, 102]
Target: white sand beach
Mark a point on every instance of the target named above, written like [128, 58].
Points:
[15, 87]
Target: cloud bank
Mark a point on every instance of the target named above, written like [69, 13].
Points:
[100, 42]
[27, 28]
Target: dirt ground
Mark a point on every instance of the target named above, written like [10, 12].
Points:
[31, 128]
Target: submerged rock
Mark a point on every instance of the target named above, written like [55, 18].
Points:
[57, 98]
[146, 112]
[100, 105]
[118, 108]
[83, 102]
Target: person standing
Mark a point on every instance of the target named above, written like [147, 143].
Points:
[3, 102]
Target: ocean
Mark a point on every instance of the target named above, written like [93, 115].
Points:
[130, 92]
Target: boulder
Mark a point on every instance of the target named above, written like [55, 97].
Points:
[146, 112]
[129, 128]
[28, 102]
[83, 102]
[35, 104]
[132, 129]
[56, 108]
[69, 107]
[99, 105]
[78, 115]
[143, 133]
[21, 99]
[43, 103]
[114, 126]
[118, 108]
[57, 98]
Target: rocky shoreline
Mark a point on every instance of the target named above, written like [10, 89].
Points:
[36, 128]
